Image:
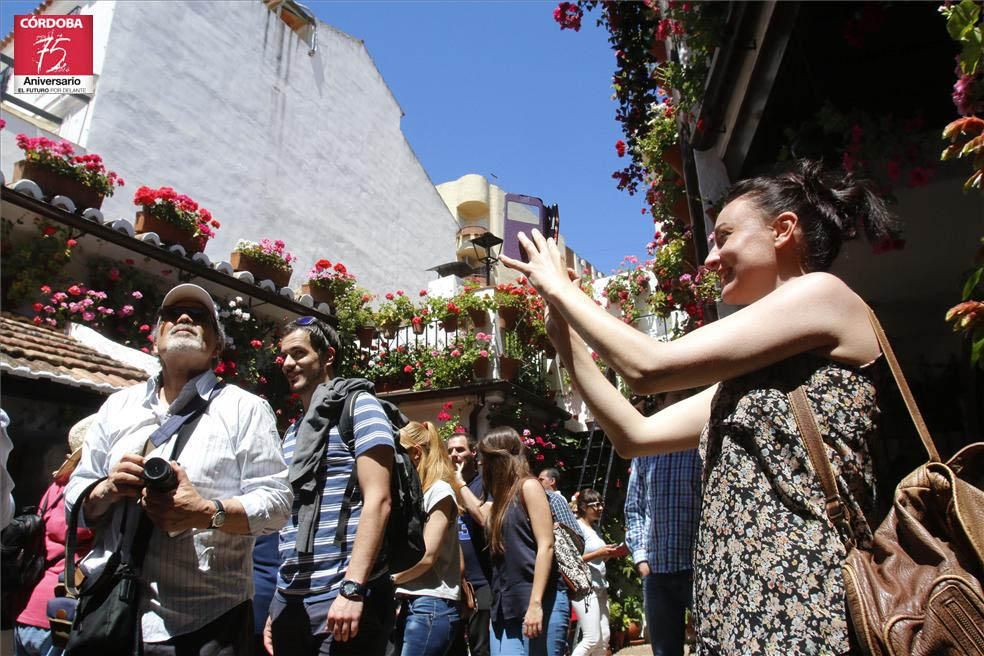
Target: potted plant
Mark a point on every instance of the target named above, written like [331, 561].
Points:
[328, 282]
[397, 311]
[266, 260]
[174, 217]
[59, 171]
[616, 623]
[477, 306]
[624, 289]
[510, 302]
[393, 369]
[354, 315]
[513, 353]
[446, 311]
[632, 614]
[480, 365]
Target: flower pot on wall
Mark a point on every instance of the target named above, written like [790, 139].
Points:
[480, 368]
[674, 158]
[366, 334]
[680, 209]
[168, 232]
[54, 184]
[634, 630]
[318, 293]
[508, 316]
[658, 50]
[260, 270]
[389, 330]
[509, 368]
[418, 327]
[450, 324]
[479, 318]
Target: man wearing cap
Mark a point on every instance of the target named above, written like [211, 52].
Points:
[231, 486]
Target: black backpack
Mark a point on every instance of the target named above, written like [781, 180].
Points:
[23, 557]
[403, 543]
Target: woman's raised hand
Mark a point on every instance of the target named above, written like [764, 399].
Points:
[546, 269]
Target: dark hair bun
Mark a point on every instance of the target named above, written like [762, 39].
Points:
[831, 206]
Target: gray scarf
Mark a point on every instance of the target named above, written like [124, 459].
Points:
[309, 452]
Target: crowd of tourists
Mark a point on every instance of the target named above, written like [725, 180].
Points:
[723, 513]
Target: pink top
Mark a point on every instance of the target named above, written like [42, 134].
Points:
[55, 528]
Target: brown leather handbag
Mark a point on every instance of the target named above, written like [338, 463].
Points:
[917, 588]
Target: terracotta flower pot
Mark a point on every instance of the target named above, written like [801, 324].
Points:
[509, 368]
[389, 330]
[479, 318]
[260, 270]
[318, 293]
[658, 50]
[168, 232]
[674, 158]
[450, 324]
[480, 368]
[366, 334]
[680, 209]
[54, 184]
[418, 327]
[634, 630]
[508, 317]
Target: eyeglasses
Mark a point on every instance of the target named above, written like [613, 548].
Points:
[197, 314]
[596, 504]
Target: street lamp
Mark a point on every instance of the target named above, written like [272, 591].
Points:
[486, 241]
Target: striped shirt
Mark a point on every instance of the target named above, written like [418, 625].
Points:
[194, 577]
[662, 506]
[323, 571]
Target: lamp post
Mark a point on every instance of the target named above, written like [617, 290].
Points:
[486, 241]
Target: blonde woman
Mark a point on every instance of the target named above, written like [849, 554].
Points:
[430, 590]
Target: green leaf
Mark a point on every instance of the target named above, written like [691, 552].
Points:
[972, 52]
[977, 349]
[972, 281]
[962, 19]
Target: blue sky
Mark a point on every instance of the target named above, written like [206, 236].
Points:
[496, 88]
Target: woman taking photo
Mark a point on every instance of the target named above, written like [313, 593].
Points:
[430, 589]
[519, 527]
[592, 611]
[767, 563]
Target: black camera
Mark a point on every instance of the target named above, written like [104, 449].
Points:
[159, 475]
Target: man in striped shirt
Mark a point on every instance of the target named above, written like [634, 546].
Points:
[662, 505]
[332, 598]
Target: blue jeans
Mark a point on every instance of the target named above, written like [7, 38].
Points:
[558, 623]
[507, 637]
[33, 641]
[428, 625]
[667, 597]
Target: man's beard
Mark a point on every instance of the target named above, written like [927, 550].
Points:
[183, 341]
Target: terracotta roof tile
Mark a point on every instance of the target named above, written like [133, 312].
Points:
[32, 351]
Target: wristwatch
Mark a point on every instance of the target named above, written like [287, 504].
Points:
[218, 519]
[352, 590]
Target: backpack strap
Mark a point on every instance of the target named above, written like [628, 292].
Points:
[43, 512]
[346, 428]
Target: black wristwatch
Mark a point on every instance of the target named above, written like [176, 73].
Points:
[352, 590]
[218, 519]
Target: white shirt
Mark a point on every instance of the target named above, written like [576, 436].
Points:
[6, 483]
[443, 580]
[593, 541]
[234, 452]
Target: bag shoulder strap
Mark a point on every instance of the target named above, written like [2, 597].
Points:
[71, 538]
[346, 428]
[910, 401]
[806, 421]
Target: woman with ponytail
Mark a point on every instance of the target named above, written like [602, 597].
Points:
[767, 560]
[430, 590]
[519, 527]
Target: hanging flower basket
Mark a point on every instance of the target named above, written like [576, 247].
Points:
[509, 368]
[168, 232]
[450, 324]
[55, 184]
[658, 50]
[672, 156]
[480, 368]
[366, 334]
[389, 330]
[419, 327]
[319, 294]
[260, 270]
[681, 209]
[479, 318]
[508, 316]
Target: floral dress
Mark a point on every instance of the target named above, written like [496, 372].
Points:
[767, 562]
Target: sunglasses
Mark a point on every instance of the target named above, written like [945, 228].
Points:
[596, 504]
[199, 315]
[305, 321]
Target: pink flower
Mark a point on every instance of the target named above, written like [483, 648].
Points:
[255, 343]
[568, 16]
[137, 295]
[483, 353]
[620, 148]
[408, 369]
[126, 310]
[456, 353]
[144, 328]
[71, 243]
[73, 290]
[443, 415]
[45, 289]
[389, 296]
[88, 316]
[423, 292]
[399, 292]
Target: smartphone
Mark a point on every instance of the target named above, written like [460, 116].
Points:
[622, 550]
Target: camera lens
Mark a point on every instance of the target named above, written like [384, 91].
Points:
[158, 474]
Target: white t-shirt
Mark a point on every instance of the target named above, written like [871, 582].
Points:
[593, 541]
[444, 578]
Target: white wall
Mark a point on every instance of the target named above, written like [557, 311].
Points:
[221, 101]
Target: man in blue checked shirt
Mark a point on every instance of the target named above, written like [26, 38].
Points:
[662, 505]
